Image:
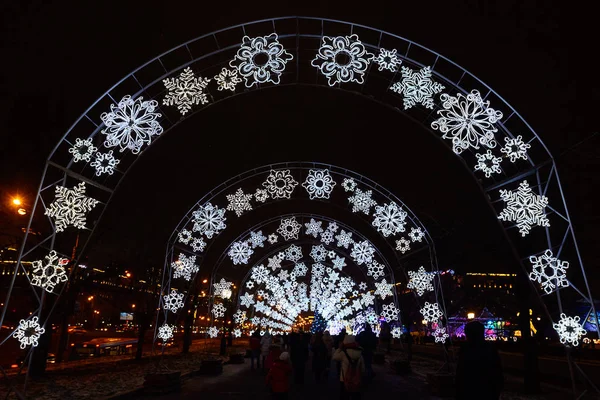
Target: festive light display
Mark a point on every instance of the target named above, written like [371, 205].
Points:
[440, 335]
[185, 267]
[388, 59]
[549, 271]
[342, 59]
[362, 252]
[261, 59]
[319, 184]
[239, 202]
[318, 253]
[403, 245]
[524, 207]
[416, 234]
[83, 150]
[293, 253]
[376, 270]
[319, 324]
[384, 289]
[261, 195]
[173, 301]
[289, 228]
[396, 332]
[417, 87]
[218, 310]
[198, 244]
[28, 332]
[431, 312]
[349, 184]
[213, 332]
[221, 287]
[69, 207]
[272, 238]
[488, 163]
[239, 317]
[104, 163]
[420, 281]
[361, 201]
[569, 330]
[313, 227]
[209, 220]
[257, 239]
[131, 124]
[240, 253]
[515, 148]
[185, 91]
[468, 121]
[280, 184]
[327, 237]
[339, 262]
[227, 79]
[344, 239]
[237, 333]
[50, 273]
[247, 300]
[390, 312]
[389, 219]
[165, 332]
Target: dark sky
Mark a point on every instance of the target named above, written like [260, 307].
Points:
[58, 58]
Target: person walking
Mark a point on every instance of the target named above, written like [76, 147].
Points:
[255, 349]
[328, 340]
[278, 378]
[368, 342]
[299, 355]
[319, 356]
[349, 354]
[265, 346]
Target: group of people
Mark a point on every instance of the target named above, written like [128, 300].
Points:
[284, 356]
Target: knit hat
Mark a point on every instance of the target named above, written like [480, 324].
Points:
[349, 339]
[284, 356]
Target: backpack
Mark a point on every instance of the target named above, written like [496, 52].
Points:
[353, 376]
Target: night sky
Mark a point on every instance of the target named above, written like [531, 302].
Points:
[57, 59]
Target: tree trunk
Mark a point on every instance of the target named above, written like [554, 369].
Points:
[531, 379]
[187, 332]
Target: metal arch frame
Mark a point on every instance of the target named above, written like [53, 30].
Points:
[409, 57]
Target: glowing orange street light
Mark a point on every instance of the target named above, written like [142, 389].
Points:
[16, 201]
[205, 281]
[21, 211]
[133, 306]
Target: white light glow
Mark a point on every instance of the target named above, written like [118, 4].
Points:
[417, 87]
[280, 184]
[83, 150]
[209, 220]
[389, 219]
[227, 79]
[420, 281]
[515, 148]
[104, 163]
[28, 332]
[569, 330]
[70, 207]
[50, 273]
[342, 59]
[173, 301]
[185, 91]
[239, 202]
[362, 202]
[524, 207]
[549, 271]
[319, 184]
[488, 163]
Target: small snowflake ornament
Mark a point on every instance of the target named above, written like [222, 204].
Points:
[272, 238]
[221, 287]
[362, 252]
[524, 207]
[198, 244]
[50, 273]
[257, 239]
[104, 163]
[261, 195]
[313, 228]
[83, 150]
[515, 148]
[227, 79]
[239, 317]
[549, 271]
[218, 310]
[274, 263]
[376, 270]
[185, 91]
[431, 312]
[420, 281]
[237, 333]
[28, 332]
[213, 332]
[384, 289]
[247, 300]
[209, 220]
[327, 237]
[344, 239]
[342, 59]
[289, 228]
[488, 163]
[362, 201]
[293, 253]
[390, 312]
[339, 263]
[173, 301]
[239, 202]
[280, 184]
[70, 206]
[569, 330]
[249, 284]
[397, 332]
[440, 335]
[417, 87]
[165, 332]
[388, 59]
[184, 236]
[416, 234]
[319, 184]
[184, 267]
[240, 253]
[318, 253]
[349, 185]
[259, 274]
[389, 219]
[403, 245]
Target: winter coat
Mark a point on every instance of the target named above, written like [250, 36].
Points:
[254, 343]
[278, 376]
[265, 345]
[355, 354]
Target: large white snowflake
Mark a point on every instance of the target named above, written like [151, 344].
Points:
[173, 301]
[28, 332]
[420, 281]
[213, 332]
[165, 332]
[416, 234]
[344, 239]
[569, 330]
[515, 148]
[83, 149]
[209, 220]
[247, 300]
[240, 253]
[549, 271]
[239, 202]
[318, 253]
[468, 121]
[384, 289]
[362, 252]
[70, 207]
[184, 267]
[339, 263]
[185, 91]
[289, 228]
[390, 312]
[313, 227]
[218, 310]
[280, 184]
[261, 59]
[105, 163]
[440, 335]
[319, 184]
[417, 87]
[293, 253]
[403, 245]
[431, 312]
[227, 79]
[389, 219]
[524, 207]
[221, 287]
[259, 274]
[488, 163]
[388, 59]
[257, 239]
[239, 317]
[375, 269]
[342, 59]
[50, 273]
[362, 201]
[131, 124]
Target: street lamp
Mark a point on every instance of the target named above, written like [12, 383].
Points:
[226, 294]
[16, 201]
[470, 315]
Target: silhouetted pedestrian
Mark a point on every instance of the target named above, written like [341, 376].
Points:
[368, 341]
[255, 349]
[299, 355]
[320, 356]
[278, 378]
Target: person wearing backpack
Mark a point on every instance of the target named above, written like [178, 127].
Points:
[278, 378]
[349, 354]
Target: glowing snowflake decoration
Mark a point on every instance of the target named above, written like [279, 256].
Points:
[289, 228]
[50, 273]
[342, 59]
[261, 59]
[390, 312]
[237, 333]
[184, 267]
[185, 91]
[549, 271]
[221, 287]
[416, 234]
[259, 274]
[272, 238]
[165, 332]
[488, 163]
[249, 284]
[327, 237]
[239, 202]
[319, 184]
[440, 335]
[198, 244]
[293, 253]
[431, 312]
[388, 59]
[349, 185]
[569, 330]
[318, 253]
[389, 219]
[362, 252]
[420, 281]
[417, 87]
[524, 207]
[367, 299]
[362, 201]
[213, 332]
[247, 300]
[227, 79]
[283, 275]
[185, 236]
[173, 301]
[257, 239]
[209, 220]
[339, 263]
[261, 195]
[70, 207]
[280, 184]
[515, 148]
[344, 239]
[83, 150]
[274, 263]
[131, 124]
[28, 332]
[240, 253]
[468, 121]
[104, 163]
[384, 289]
[218, 310]
[300, 269]
[239, 317]
[376, 270]
[313, 227]
[403, 245]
